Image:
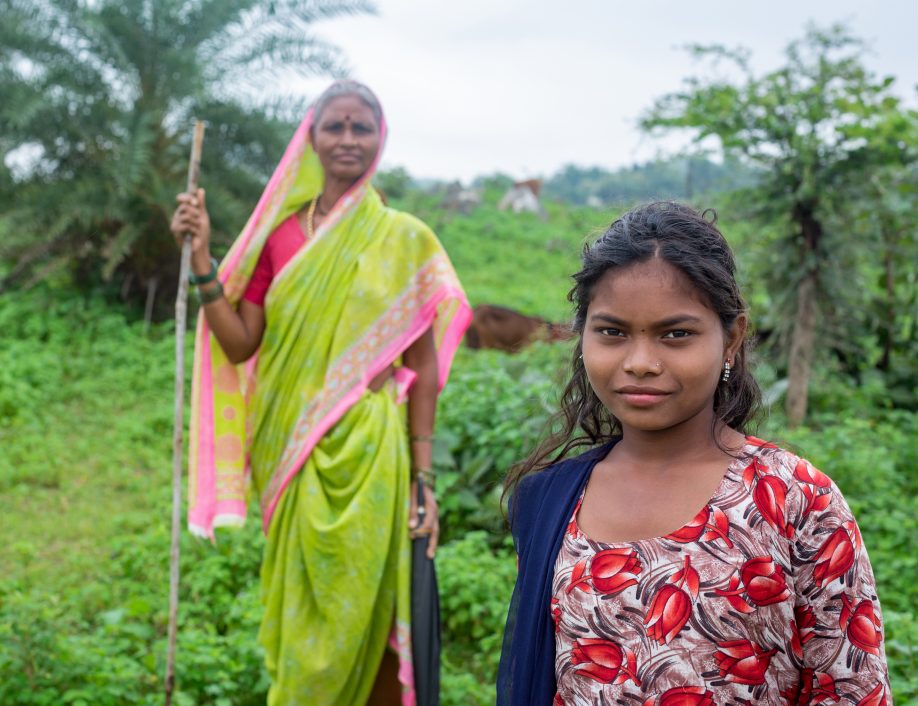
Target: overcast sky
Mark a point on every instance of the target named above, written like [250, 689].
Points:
[526, 86]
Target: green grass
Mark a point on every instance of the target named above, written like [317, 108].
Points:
[85, 474]
[518, 261]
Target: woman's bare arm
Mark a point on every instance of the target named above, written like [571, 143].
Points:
[238, 332]
[421, 357]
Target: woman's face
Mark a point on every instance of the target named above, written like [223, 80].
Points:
[653, 351]
[346, 138]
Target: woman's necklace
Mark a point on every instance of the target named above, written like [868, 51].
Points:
[310, 216]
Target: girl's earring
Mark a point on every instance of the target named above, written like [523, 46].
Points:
[726, 376]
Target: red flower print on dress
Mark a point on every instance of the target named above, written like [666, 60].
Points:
[761, 580]
[837, 554]
[764, 581]
[556, 613]
[815, 501]
[877, 697]
[605, 661]
[755, 469]
[823, 690]
[769, 495]
[718, 527]
[806, 473]
[558, 701]
[806, 623]
[669, 611]
[611, 571]
[683, 696]
[799, 692]
[816, 488]
[796, 647]
[743, 662]
[671, 606]
[708, 525]
[861, 625]
[801, 630]
[806, 692]
[693, 530]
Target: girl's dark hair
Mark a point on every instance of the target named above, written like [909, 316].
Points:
[689, 241]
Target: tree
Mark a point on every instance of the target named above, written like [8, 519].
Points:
[814, 128]
[98, 100]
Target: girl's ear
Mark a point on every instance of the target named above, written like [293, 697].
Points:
[736, 335]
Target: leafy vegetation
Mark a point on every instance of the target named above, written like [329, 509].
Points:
[85, 389]
[818, 128]
[85, 421]
[99, 99]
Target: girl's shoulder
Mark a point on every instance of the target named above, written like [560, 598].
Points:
[551, 489]
[565, 471]
[768, 459]
[797, 499]
[541, 501]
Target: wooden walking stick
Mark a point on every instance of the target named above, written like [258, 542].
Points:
[181, 310]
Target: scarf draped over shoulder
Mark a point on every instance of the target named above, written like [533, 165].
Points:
[539, 510]
[346, 306]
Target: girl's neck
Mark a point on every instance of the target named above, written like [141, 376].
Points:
[694, 440]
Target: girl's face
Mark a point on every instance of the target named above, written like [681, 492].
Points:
[346, 138]
[653, 350]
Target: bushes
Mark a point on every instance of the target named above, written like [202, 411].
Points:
[491, 414]
[85, 476]
[475, 587]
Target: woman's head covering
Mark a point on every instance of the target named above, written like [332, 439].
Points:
[414, 287]
[297, 179]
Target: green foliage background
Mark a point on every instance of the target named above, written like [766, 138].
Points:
[86, 391]
[85, 427]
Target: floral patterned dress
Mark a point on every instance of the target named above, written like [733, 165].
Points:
[766, 597]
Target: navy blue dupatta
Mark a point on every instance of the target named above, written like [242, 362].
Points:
[540, 509]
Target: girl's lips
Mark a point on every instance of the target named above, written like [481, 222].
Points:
[643, 399]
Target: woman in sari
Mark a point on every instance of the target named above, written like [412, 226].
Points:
[328, 312]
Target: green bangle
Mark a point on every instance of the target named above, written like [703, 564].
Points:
[206, 296]
[421, 438]
[205, 279]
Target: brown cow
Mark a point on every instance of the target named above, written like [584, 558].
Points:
[508, 330]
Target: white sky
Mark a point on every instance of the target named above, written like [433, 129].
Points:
[525, 86]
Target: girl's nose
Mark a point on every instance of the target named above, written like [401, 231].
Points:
[641, 361]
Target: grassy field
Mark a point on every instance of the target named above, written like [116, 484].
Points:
[85, 473]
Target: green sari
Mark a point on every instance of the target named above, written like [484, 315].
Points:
[328, 458]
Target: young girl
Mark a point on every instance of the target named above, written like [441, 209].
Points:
[679, 561]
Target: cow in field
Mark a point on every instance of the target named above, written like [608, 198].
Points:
[508, 330]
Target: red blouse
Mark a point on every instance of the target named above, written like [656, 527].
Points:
[766, 597]
[280, 247]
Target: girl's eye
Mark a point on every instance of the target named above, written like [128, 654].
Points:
[678, 333]
[610, 332]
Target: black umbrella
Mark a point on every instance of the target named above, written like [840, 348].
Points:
[425, 617]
